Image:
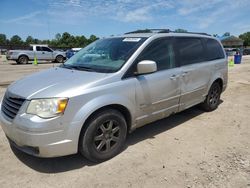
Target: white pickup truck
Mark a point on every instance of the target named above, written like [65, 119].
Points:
[41, 52]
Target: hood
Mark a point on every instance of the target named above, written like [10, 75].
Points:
[55, 82]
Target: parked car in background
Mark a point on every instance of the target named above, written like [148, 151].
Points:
[71, 52]
[110, 88]
[246, 51]
[3, 51]
[41, 52]
[231, 51]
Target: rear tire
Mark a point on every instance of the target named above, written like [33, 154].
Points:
[213, 98]
[104, 135]
[23, 59]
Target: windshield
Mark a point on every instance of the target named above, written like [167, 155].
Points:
[104, 55]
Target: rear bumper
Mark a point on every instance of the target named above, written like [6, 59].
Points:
[11, 57]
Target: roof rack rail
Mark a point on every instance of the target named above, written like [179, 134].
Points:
[194, 33]
[149, 31]
[162, 31]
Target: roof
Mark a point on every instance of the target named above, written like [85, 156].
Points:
[152, 32]
[147, 35]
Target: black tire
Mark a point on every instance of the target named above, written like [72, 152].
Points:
[23, 59]
[59, 59]
[213, 98]
[104, 135]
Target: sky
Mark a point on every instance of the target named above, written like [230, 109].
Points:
[42, 19]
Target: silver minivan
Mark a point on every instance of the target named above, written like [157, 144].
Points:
[108, 89]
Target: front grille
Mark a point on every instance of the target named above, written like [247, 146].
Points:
[11, 105]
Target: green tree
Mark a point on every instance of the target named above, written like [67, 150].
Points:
[58, 36]
[92, 38]
[246, 38]
[65, 40]
[180, 31]
[81, 41]
[16, 40]
[3, 39]
[37, 41]
[29, 40]
[226, 34]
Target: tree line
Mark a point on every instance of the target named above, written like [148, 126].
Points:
[65, 40]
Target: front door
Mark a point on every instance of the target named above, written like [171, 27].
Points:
[47, 53]
[157, 94]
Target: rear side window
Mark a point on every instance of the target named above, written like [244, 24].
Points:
[160, 51]
[214, 50]
[189, 50]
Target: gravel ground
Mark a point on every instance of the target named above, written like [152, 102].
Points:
[189, 149]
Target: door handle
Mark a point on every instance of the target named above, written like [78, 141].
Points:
[43, 52]
[184, 73]
[173, 77]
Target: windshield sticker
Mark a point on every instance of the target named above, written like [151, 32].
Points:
[131, 39]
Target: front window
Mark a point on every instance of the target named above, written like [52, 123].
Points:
[104, 55]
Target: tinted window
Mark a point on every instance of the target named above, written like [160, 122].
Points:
[38, 48]
[189, 50]
[160, 51]
[214, 50]
[46, 49]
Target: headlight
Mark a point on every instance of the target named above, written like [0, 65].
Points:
[47, 108]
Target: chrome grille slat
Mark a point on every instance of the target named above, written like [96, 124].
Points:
[8, 113]
[13, 110]
[15, 100]
[11, 105]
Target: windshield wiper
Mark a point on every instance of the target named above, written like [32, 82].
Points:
[66, 66]
[79, 67]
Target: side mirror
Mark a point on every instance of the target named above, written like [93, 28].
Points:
[146, 66]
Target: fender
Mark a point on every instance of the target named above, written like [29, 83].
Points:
[219, 73]
[102, 101]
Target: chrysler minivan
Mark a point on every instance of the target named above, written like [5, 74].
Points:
[108, 89]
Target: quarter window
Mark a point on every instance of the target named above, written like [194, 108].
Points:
[214, 50]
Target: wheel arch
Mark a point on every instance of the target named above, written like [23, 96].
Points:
[121, 108]
[20, 55]
[217, 79]
[220, 81]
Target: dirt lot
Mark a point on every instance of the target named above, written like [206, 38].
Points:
[190, 149]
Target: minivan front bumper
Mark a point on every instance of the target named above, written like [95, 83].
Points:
[40, 141]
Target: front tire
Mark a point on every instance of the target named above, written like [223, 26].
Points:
[104, 135]
[212, 100]
[59, 59]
